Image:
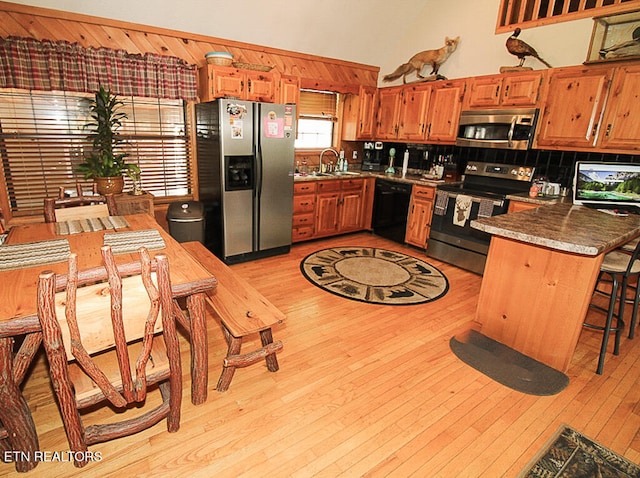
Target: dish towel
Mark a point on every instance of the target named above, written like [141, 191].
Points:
[91, 224]
[486, 208]
[442, 198]
[463, 210]
[29, 254]
[126, 242]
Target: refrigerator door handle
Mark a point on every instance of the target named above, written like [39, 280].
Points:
[257, 188]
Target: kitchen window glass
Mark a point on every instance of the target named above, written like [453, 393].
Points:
[43, 139]
[317, 116]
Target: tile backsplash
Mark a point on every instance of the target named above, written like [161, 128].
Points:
[556, 166]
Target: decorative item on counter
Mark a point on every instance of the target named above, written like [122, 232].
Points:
[522, 50]
[405, 163]
[390, 169]
[440, 167]
[538, 187]
[417, 62]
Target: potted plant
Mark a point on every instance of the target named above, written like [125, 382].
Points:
[105, 164]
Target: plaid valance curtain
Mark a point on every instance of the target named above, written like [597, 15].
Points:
[33, 64]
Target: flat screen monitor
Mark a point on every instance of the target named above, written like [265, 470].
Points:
[606, 185]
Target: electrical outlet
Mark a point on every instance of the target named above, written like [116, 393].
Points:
[355, 155]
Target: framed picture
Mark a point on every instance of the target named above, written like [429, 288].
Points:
[615, 37]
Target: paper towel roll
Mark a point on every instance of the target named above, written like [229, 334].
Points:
[405, 163]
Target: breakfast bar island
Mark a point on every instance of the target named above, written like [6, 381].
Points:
[540, 274]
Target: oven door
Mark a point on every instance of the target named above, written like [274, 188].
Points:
[452, 239]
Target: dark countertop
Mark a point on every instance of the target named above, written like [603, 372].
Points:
[564, 227]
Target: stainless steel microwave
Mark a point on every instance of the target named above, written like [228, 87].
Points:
[501, 129]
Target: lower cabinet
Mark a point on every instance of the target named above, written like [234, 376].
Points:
[339, 206]
[304, 207]
[515, 206]
[419, 220]
[327, 208]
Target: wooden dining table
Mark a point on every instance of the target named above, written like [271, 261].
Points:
[18, 319]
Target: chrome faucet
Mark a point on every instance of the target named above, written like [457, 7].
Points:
[322, 154]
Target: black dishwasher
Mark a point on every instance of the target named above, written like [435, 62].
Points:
[390, 209]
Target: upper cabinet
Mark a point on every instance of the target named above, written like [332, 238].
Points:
[389, 102]
[509, 89]
[445, 105]
[621, 126]
[358, 117]
[250, 85]
[412, 115]
[573, 107]
[288, 89]
[421, 112]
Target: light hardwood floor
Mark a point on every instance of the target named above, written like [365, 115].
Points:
[363, 390]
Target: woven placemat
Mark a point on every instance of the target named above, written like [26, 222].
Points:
[126, 242]
[29, 254]
[91, 224]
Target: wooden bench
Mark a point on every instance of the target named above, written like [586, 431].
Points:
[242, 311]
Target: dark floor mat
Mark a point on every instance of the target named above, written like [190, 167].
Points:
[507, 366]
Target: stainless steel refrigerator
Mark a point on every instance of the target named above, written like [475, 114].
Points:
[246, 162]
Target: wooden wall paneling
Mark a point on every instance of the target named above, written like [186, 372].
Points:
[89, 31]
[121, 39]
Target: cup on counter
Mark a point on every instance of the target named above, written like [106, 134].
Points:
[552, 189]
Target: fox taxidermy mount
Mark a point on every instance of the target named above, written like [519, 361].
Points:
[435, 58]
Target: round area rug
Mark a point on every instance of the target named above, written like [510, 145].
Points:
[374, 275]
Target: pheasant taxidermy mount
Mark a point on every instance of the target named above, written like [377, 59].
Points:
[522, 49]
[417, 62]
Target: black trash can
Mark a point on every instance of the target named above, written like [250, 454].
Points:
[186, 221]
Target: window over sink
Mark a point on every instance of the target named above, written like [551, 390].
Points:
[317, 117]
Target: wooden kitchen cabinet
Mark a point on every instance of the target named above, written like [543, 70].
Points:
[339, 206]
[444, 111]
[289, 89]
[420, 212]
[621, 126]
[509, 89]
[304, 207]
[351, 205]
[222, 81]
[389, 102]
[573, 108]
[328, 207]
[412, 120]
[516, 206]
[358, 116]
[424, 112]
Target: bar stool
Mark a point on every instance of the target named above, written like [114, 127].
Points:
[629, 247]
[618, 268]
